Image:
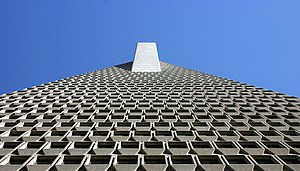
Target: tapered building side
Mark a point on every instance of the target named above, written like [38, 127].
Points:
[148, 116]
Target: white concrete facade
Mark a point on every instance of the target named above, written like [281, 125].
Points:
[146, 58]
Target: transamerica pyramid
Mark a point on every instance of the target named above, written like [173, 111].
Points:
[148, 115]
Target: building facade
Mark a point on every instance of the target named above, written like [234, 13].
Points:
[170, 118]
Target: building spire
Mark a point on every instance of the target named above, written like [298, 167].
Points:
[146, 58]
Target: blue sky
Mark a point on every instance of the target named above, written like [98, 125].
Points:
[251, 41]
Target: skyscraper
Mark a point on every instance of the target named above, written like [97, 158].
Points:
[148, 115]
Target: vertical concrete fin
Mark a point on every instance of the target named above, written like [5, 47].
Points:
[146, 58]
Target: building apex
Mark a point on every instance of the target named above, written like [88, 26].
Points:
[146, 58]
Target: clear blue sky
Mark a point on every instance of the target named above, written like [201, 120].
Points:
[251, 41]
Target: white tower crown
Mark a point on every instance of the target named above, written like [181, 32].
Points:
[146, 58]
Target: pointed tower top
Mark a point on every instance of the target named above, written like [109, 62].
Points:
[146, 58]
